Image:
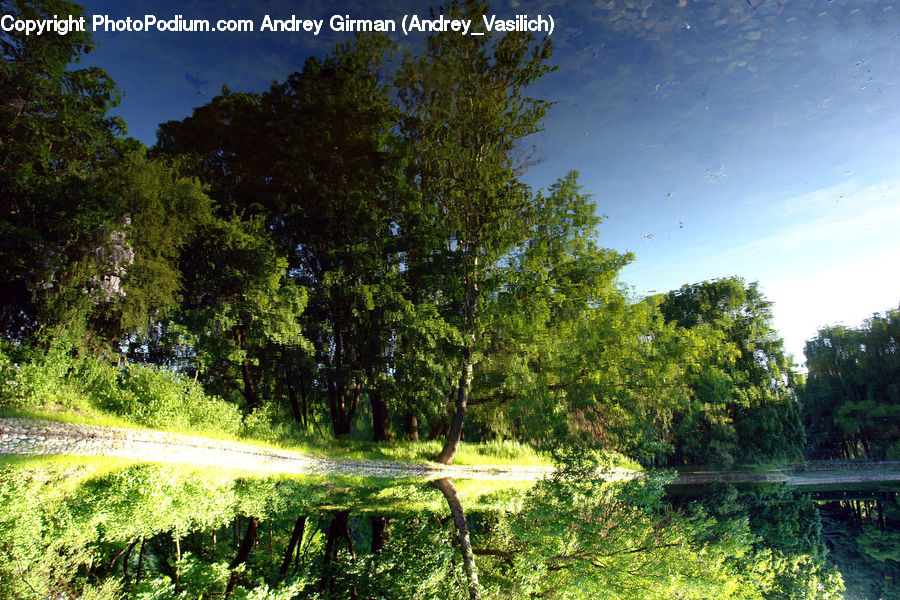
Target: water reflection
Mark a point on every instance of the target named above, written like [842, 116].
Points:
[862, 531]
[152, 531]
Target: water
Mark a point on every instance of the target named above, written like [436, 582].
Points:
[157, 531]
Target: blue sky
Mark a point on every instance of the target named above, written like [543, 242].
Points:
[756, 138]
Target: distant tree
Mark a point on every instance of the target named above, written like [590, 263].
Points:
[851, 402]
[744, 407]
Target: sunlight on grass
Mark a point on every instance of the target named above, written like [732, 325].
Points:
[472, 454]
[309, 494]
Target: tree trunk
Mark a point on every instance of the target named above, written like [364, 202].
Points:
[339, 524]
[462, 531]
[341, 414]
[379, 533]
[298, 414]
[127, 558]
[412, 427]
[866, 449]
[294, 543]
[381, 423]
[459, 416]
[440, 429]
[140, 564]
[336, 421]
[250, 393]
[465, 379]
[243, 553]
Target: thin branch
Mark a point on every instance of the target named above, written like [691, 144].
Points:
[506, 556]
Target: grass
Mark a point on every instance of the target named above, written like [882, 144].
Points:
[469, 454]
[275, 492]
[64, 462]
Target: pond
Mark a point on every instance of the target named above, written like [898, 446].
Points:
[100, 527]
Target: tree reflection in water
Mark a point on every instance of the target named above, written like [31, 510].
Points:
[145, 531]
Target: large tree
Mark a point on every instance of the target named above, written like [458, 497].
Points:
[54, 131]
[90, 229]
[851, 401]
[466, 114]
[315, 158]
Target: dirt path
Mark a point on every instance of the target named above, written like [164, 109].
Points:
[33, 437]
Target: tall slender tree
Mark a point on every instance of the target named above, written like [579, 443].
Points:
[466, 111]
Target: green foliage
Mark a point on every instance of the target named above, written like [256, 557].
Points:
[580, 536]
[237, 304]
[148, 395]
[557, 285]
[56, 121]
[851, 402]
[312, 156]
[862, 542]
[69, 529]
[55, 133]
[161, 399]
[743, 406]
[163, 211]
[51, 527]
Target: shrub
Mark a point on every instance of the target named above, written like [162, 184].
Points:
[159, 398]
[145, 394]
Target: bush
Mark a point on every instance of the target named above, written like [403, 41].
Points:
[32, 379]
[262, 424]
[159, 398]
[145, 394]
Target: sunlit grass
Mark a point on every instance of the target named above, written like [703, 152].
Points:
[95, 464]
[481, 453]
[472, 454]
[305, 493]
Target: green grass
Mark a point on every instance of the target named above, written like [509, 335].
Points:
[484, 453]
[55, 386]
[308, 494]
[64, 462]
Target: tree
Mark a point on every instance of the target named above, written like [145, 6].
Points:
[744, 404]
[852, 398]
[315, 158]
[54, 132]
[466, 111]
[90, 229]
[238, 301]
[580, 536]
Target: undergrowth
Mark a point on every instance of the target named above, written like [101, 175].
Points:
[55, 386]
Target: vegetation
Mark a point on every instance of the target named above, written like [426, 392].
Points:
[745, 408]
[348, 262]
[852, 395]
[156, 532]
[861, 533]
[354, 250]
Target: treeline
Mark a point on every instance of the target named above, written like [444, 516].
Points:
[851, 402]
[355, 246]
